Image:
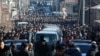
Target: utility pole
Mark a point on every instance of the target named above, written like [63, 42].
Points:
[83, 16]
[89, 11]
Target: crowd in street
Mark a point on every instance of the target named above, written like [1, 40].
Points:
[63, 47]
[41, 48]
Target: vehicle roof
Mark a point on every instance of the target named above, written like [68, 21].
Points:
[22, 22]
[18, 42]
[8, 44]
[51, 29]
[9, 41]
[50, 25]
[81, 41]
[83, 44]
[46, 32]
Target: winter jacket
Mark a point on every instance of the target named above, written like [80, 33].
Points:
[73, 52]
[5, 52]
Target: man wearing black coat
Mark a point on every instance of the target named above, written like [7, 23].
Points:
[41, 48]
[4, 51]
[72, 50]
[24, 50]
[98, 53]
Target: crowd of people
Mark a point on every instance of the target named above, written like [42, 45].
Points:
[36, 21]
[41, 48]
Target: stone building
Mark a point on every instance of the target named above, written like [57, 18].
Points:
[9, 10]
[4, 14]
[19, 7]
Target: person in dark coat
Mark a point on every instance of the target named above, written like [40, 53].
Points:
[14, 49]
[31, 49]
[61, 41]
[41, 48]
[93, 50]
[98, 53]
[73, 51]
[4, 51]
[24, 50]
[60, 51]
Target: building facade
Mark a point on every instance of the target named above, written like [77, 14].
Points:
[92, 14]
[71, 9]
[4, 14]
[18, 8]
[9, 10]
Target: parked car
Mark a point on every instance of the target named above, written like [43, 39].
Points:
[17, 42]
[83, 45]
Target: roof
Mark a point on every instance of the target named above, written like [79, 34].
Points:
[50, 25]
[22, 22]
[46, 32]
[51, 29]
[23, 40]
[81, 41]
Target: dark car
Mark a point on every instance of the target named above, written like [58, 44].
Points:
[17, 42]
[83, 45]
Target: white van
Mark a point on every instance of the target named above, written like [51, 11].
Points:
[54, 29]
[22, 23]
[51, 37]
[50, 25]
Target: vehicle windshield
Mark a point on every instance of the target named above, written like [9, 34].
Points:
[50, 38]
